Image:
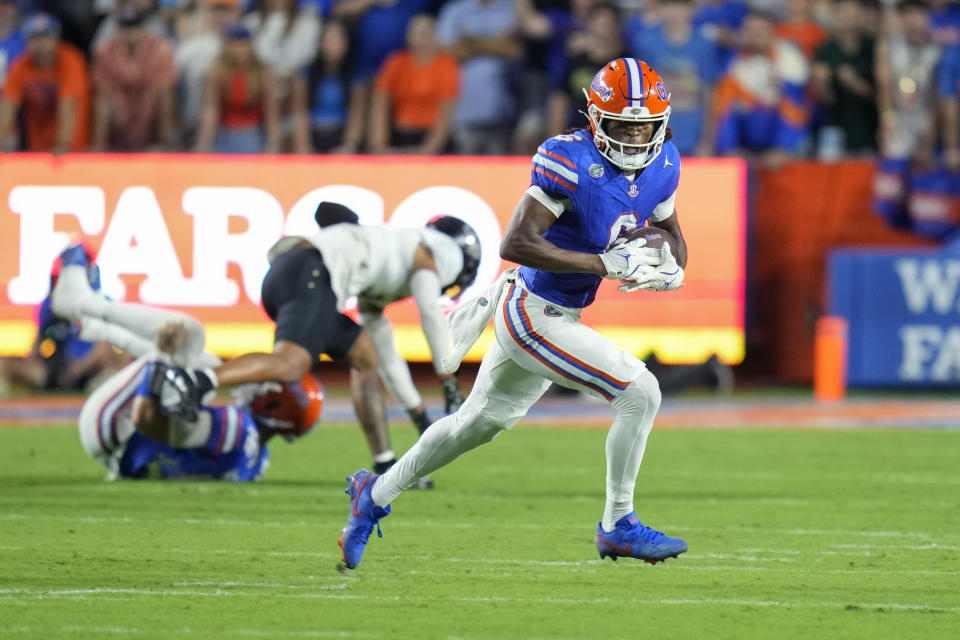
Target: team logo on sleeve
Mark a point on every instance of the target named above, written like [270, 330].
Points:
[633, 191]
[596, 171]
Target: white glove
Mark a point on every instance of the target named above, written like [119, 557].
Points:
[666, 277]
[630, 260]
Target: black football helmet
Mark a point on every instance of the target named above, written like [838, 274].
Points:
[331, 213]
[469, 243]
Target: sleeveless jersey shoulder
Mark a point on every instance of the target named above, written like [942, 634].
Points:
[559, 164]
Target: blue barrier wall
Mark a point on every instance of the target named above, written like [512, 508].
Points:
[903, 310]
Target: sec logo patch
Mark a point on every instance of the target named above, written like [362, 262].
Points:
[633, 191]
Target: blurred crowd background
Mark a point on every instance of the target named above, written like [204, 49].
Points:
[771, 79]
[866, 92]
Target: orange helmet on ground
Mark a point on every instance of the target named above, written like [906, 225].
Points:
[630, 90]
[291, 409]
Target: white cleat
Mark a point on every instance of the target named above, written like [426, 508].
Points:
[72, 296]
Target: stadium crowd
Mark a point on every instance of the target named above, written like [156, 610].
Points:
[764, 79]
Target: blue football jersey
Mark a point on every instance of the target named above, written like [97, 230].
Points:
[233, 452]
[603, 205]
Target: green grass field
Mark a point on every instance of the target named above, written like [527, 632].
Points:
[799, 534]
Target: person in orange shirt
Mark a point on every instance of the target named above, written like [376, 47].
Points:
[414, 95]
[801, 29]
[49, 85]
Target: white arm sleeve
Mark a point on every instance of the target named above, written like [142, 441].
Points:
[393, 368]
[557, 207]
[665, 209]
[425, 286]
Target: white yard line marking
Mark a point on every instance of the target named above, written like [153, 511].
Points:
[29, 594]
[38, 632]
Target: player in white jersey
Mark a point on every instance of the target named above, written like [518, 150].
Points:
[587, 190]
[123, 425]
[393, 368]
[307, 288]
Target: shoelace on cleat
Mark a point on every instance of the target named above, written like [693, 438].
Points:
[644, 533]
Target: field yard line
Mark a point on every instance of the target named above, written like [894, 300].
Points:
[55, 593]
[267, 633]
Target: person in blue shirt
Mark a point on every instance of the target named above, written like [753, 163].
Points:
[948, 84]
[687, 62]
[572, 228]
[126, 424]
[12, 43]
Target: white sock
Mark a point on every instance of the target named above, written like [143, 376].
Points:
[439, 445]
[96, 330]
[145, 322]
[636, 407]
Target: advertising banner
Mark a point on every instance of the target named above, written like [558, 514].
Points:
[192, 232]
[903, 310]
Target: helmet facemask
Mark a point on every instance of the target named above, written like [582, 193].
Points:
[628, 156]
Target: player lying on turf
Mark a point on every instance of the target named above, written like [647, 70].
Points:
[125, 425]
[393, 368]
[308, 285]
[587, 190]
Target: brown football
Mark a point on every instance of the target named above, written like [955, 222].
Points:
[655, 237]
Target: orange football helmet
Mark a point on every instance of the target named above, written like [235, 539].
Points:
[291, 409]
[630, 90]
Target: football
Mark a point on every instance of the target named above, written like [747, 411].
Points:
[655, 237]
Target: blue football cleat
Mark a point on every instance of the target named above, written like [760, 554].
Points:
[630, 539]
[74, 256]
[363, 515]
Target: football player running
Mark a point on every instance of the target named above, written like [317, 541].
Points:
[126, 425]
[587, 189]
[307, 288]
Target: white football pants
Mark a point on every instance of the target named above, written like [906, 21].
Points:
[538, 343]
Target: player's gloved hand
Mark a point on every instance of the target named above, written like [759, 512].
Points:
[666, 277]
[452, 395]
[183, 391]
[630, 260]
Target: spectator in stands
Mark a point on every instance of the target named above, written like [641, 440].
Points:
[11, 40]
[379, 28]
[759, 104]
[325, 119]
[240, 102]
[907, 60]
[801, 29]
[843, 75]
[481, 34]
[285, 39]
[945, 22]
[605, 45]
[153, 22]
[949, 85]
[906, 92]
[685, 60]
[721, 21]
[49, 86]
[195, 55]
[133, 78]
[414, 95]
